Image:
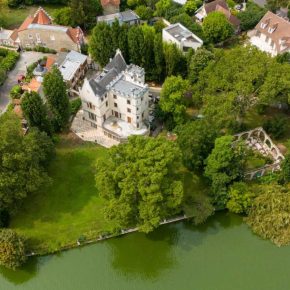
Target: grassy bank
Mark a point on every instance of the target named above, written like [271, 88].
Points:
[14, 17]
[67, 209]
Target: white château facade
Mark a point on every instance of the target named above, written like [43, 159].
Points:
[117, 100]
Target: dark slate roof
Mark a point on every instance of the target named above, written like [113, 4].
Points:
[128, 15]
[111, 71]
[117, 63]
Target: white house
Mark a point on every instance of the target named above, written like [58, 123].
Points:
[181, 36]
[271, 34]
[116, 101]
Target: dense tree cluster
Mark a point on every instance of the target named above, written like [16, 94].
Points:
[270, 213]
[22, 161]
[140, 183]
[140, 45]
[224, 165]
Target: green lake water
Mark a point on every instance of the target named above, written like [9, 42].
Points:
[220, 255]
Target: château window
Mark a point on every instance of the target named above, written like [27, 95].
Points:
[115, 97]
[115, 105]
[92, 116]
[128, 110]
[107, 104]
[128, 102]
[102, 99]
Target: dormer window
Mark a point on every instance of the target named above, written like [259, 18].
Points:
[263, 25]
[271, 29]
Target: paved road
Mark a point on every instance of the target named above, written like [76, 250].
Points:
[25, 59]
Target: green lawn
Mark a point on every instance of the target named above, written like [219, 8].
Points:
[59, 214]
[14, 17]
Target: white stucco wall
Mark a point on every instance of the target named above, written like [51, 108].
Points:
[262, 44]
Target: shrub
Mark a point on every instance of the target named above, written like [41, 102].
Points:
[75, 105]
[9, 60]
[12, 249]
[16, 92]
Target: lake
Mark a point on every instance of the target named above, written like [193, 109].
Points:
[223, 254]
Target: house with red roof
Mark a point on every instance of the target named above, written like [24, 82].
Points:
[220, 6]
[110, 6]
[38, 30]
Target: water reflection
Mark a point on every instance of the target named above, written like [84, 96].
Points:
[27, 272]
[136, 255]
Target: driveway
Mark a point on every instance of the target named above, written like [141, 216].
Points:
[26, 58]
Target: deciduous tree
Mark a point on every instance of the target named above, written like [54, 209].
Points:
[216, 27]
[12, 249]
[55, 91]
[196, 140]
[35, 112]
[139, 182]
[269, 214]
[172, 101]
[224, 165]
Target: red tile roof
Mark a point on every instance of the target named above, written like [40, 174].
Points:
[110, 2]
[76, 34]
[231, 18]
[41, 17]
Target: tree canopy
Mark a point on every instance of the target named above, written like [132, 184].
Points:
[196, 140]
[12, 249]
[55, 91]
[224, 165]
[22, 161]
[35, 112]
[270, 214]
[172, 98]
[216, 27]
[139, 182]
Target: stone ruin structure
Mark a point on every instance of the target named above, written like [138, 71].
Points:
[258, 140]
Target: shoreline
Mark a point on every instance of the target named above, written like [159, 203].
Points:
[106, 237]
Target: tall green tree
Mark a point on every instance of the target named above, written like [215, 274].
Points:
[55, 91]
[148, 51]
[159, 58]
[35, 112]
[198, 62]
[84, 12]
[12, 249]
[140, 183]
[172, 99]
[136, 45]
[22, 161]
[101, 45]
[175, 61]
[224, 165]
[196, 140]
[216, 27]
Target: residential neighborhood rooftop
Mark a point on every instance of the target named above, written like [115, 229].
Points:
[179, 32]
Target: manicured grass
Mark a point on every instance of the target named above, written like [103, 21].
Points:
[14, 17]
[67, 209]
